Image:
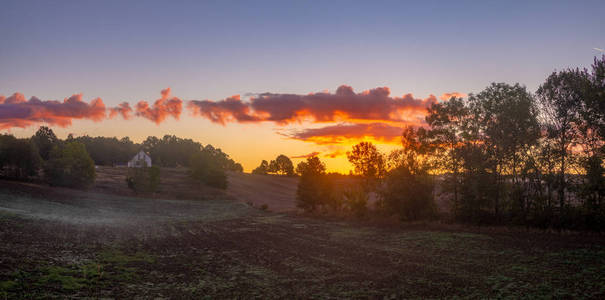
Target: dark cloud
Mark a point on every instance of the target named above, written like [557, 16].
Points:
[343, 133]
[343, 105]
[231, 109]
[16, 111]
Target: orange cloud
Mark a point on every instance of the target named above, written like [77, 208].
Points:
[349, 133]
[343, 105]
[335, 154]
[231, 109]
[16, 111]
[448, 96]
[161, 109]
[122, 109]
[306, 155]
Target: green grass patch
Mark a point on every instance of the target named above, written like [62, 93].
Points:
[111, 267]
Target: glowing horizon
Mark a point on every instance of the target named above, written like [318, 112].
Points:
[272, 78]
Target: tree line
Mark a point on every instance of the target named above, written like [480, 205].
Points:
[71, 162]
[501, 156]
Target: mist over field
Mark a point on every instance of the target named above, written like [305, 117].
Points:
[302, 150]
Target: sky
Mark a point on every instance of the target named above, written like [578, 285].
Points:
[263, 78]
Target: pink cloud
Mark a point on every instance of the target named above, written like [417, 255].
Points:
[16, 111]
[161, 108]
[448, 96]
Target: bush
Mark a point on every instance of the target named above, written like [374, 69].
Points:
[144, 180]
[19, 158]
[408, 193]
[262, 169]
[356, 200]
[208, 170]
[70, 165]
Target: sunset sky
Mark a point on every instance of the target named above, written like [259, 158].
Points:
[258, 79]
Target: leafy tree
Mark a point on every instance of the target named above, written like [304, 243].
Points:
[108, 151]
[237, 167]
[172, 151]
[506, 117]
[262, 169]
[408, 188]
[70, 165]
[368, 162]
[45, 139]
[300, 168]
[314, 190]
[281, 165]
[206, 168]
[448, 131]
[19, 158]
[559, 96]
[594, 100]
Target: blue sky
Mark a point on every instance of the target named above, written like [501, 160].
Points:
[130, 50]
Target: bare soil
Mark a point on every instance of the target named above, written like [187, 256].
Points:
[69, 243]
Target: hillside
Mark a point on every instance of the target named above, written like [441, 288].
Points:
[277, 192]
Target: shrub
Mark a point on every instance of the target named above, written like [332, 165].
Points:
[144, 180]
[208, 170]
[262, 169]
[408, 193]
[19, 158]
[70, 165]
[356, 201]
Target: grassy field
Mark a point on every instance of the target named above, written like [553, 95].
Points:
[66, 243]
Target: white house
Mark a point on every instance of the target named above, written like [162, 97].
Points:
[140, 160]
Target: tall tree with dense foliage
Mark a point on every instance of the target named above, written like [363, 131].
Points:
[19, 158]
[281, 165]
[208, 169]
[314, 190]
[446, 135]
[70, 165]
[560, 96]
[108, 151]
[408, 187]
[45, 139]
[367, 162]
[508, 127]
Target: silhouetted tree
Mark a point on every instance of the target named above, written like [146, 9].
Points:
[262, 169]
[314, 190]
[560, 97]
[447, 121]
[408, 188]
[507, 125]
[281, 165]
[300, 168]
[368, 162]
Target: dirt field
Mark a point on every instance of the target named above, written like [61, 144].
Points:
[277, 192]
[69, 243]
